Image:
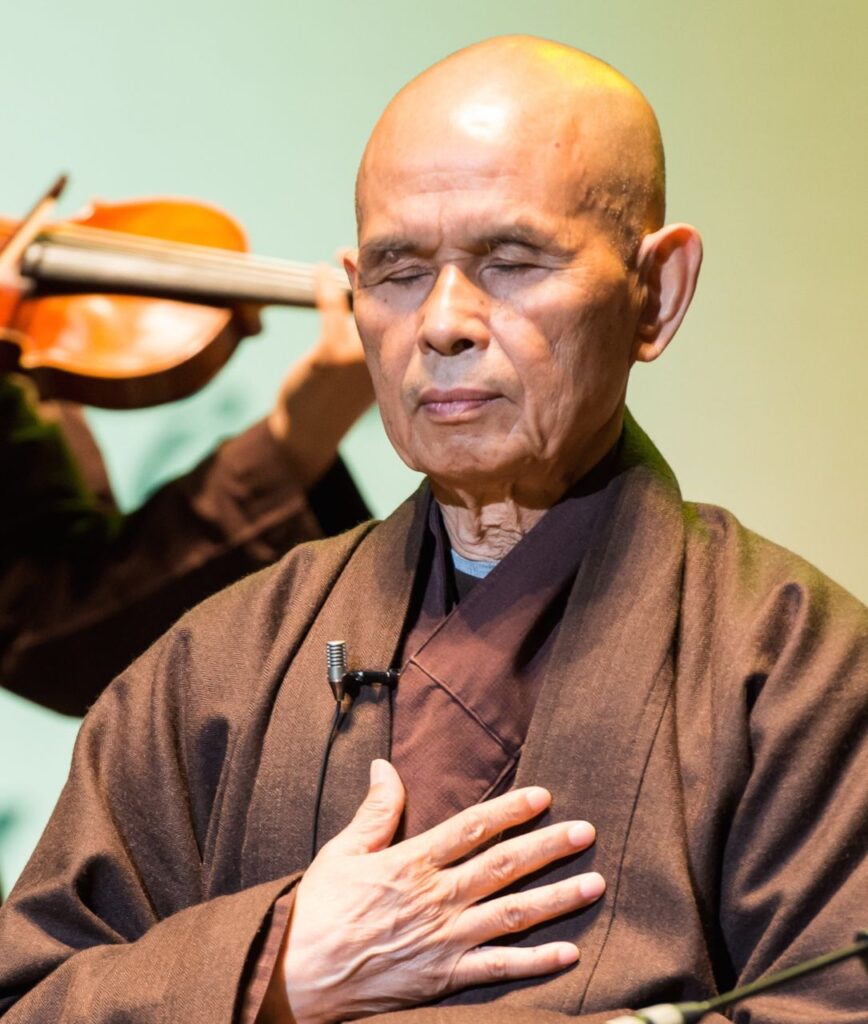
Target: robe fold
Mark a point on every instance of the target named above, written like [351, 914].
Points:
[703, 705]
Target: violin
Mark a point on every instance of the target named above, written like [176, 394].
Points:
[135, 303]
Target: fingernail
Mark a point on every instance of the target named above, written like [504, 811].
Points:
[378, 773]
[568, 954]
[592, 885]
[582, 833]
[538, 798]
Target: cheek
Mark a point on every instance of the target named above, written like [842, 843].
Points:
[387, 357]
[381, 341]
[571, 359]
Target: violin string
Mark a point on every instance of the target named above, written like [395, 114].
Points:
[117, 240]
[259, 268]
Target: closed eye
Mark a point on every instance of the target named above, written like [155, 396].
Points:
[406, 276]
[402, 276]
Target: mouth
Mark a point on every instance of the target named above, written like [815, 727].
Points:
[455, 404]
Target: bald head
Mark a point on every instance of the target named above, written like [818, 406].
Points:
[512, 268]
[548, 104]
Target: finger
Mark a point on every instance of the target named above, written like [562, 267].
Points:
[514, 858]
[519, 911]
[339, 342]
[248, 314]
[329, 296]
[504, 963]
[374, 823]
[463, 832]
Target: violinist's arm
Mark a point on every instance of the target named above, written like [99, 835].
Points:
[326, 391]
[75, 614]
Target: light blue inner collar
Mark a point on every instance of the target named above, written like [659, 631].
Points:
[470, 567]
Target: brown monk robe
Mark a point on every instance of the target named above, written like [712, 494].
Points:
[703, 704]
[470, 676]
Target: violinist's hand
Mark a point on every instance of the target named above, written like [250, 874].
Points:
[326, 391]
[377, 928]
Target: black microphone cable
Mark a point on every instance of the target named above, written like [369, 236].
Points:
[336, 667]
[337, 721]
[344, 685]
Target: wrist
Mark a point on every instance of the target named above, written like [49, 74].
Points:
[319, 402]
[303, 978]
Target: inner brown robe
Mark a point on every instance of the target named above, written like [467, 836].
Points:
[471, 672]
[704, 706]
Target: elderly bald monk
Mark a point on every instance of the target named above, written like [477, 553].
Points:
[625, 759]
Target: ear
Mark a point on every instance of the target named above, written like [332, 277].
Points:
[667, 265]
[350, 260]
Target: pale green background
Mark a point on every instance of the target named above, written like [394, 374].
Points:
[263, 107]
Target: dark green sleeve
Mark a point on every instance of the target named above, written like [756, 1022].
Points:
[46, 507]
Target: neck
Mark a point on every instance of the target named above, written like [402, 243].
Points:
[487, 532]
[486, 523]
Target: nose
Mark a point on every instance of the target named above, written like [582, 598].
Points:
[455, 314]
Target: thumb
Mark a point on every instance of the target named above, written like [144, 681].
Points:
[339, 341]
[329, 295]
[374, 823]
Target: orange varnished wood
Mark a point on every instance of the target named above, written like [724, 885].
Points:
[122, 351]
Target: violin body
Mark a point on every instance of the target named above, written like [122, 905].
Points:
[126, 351]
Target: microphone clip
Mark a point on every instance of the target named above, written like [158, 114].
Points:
[345, 684]
[353, 681]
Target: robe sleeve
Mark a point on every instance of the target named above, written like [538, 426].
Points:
[794, 873]
[84, 590]
[112, 919]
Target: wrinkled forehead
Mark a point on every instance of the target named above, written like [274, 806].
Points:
[525, 118]
[477, 166]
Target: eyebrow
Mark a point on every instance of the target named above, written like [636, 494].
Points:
[527, 237]
[520, 234]
[374, 252]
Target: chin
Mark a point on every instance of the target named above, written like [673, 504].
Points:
[465, 459]
[463, 473]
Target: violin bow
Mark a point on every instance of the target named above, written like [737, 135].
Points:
[28, 229]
